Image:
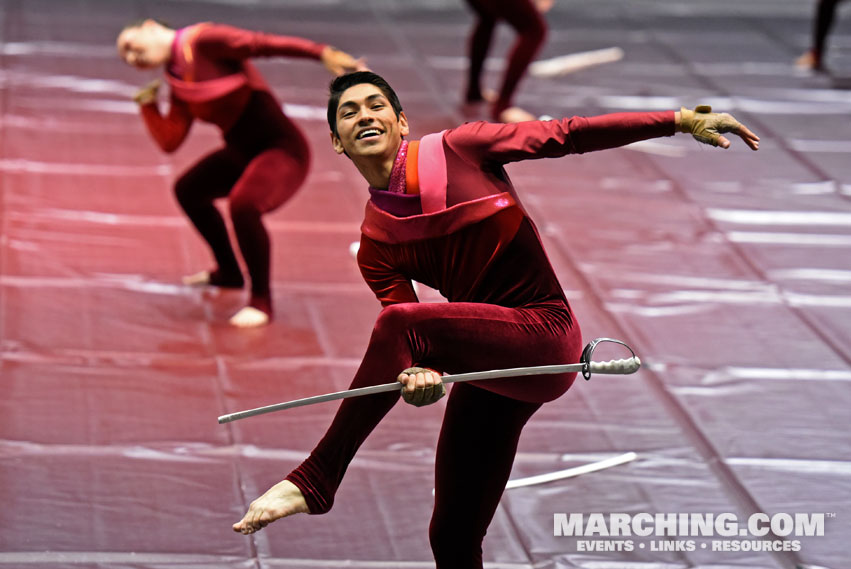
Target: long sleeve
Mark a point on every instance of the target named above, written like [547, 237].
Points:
[226, 42]
[168, 131]
[389, 286]
[503, 143]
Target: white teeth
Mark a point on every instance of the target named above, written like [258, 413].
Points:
[369, 132]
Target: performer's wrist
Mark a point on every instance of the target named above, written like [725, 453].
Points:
[685, 120]
[147, 94]
[147, 100]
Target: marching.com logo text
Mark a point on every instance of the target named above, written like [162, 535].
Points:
[761, 532]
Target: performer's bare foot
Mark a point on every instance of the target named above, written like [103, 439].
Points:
[201, 278]
[484, 96]
[515, 114]
[808, 60]
[281, 500]
[489, 95]
[249, 317]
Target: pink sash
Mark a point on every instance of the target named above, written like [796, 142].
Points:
[431, 168]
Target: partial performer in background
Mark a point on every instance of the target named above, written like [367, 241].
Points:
[265, 157]
[443, 212]
[825, 14]
[531, 28]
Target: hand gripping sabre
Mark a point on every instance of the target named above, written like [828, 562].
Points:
[585, 366]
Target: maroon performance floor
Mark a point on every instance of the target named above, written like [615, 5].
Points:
[727, 271]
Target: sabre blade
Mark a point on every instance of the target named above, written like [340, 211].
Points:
[383, 388]
[626, 366]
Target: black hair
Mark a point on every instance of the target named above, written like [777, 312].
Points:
[343, 82]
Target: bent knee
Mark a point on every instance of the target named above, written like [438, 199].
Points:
[244, 210]
[532, 28]
[396, 318]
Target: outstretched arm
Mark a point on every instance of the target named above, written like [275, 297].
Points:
[576, 135]
[168, 131]
[227, 42]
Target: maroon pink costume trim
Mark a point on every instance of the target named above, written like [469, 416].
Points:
[432, 173]
[387, 228]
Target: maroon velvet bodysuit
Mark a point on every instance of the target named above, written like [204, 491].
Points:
[472, 240]
[265, 157]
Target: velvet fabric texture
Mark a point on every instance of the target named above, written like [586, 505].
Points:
[506, 309]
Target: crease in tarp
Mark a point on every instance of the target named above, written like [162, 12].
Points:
[657, 311]
[812, 274]
[728, 374]
[23, 165]
[796, 465]
[56, 48]
[130, 559]
[731, 388]
[201, 452]
[72, 83]
[364, 460]
[176, 220]
[779, 217]
[134, 283]
[178, 452]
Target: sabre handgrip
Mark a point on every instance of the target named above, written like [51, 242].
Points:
[588, 366]
[621, 367]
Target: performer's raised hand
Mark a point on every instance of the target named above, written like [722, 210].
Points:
[339, 62]
[148, 93]
[707, 127]
[421, 386]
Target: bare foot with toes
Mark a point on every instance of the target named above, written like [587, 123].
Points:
[281, 500]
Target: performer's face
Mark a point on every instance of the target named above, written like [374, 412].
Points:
[139, 46]
[367, 125]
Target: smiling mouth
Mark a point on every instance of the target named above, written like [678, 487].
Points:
[368, 133]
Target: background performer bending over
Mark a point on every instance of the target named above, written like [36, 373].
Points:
[265, 157]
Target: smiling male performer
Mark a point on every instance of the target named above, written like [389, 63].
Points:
[443, 212]
[265, 157]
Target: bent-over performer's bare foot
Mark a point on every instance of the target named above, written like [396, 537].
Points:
[198, 279]
[473, 100]
[515, 114]
[281, 500]
[249, 317]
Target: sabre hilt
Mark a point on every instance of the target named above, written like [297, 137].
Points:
[629, 365]
[624, 367]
